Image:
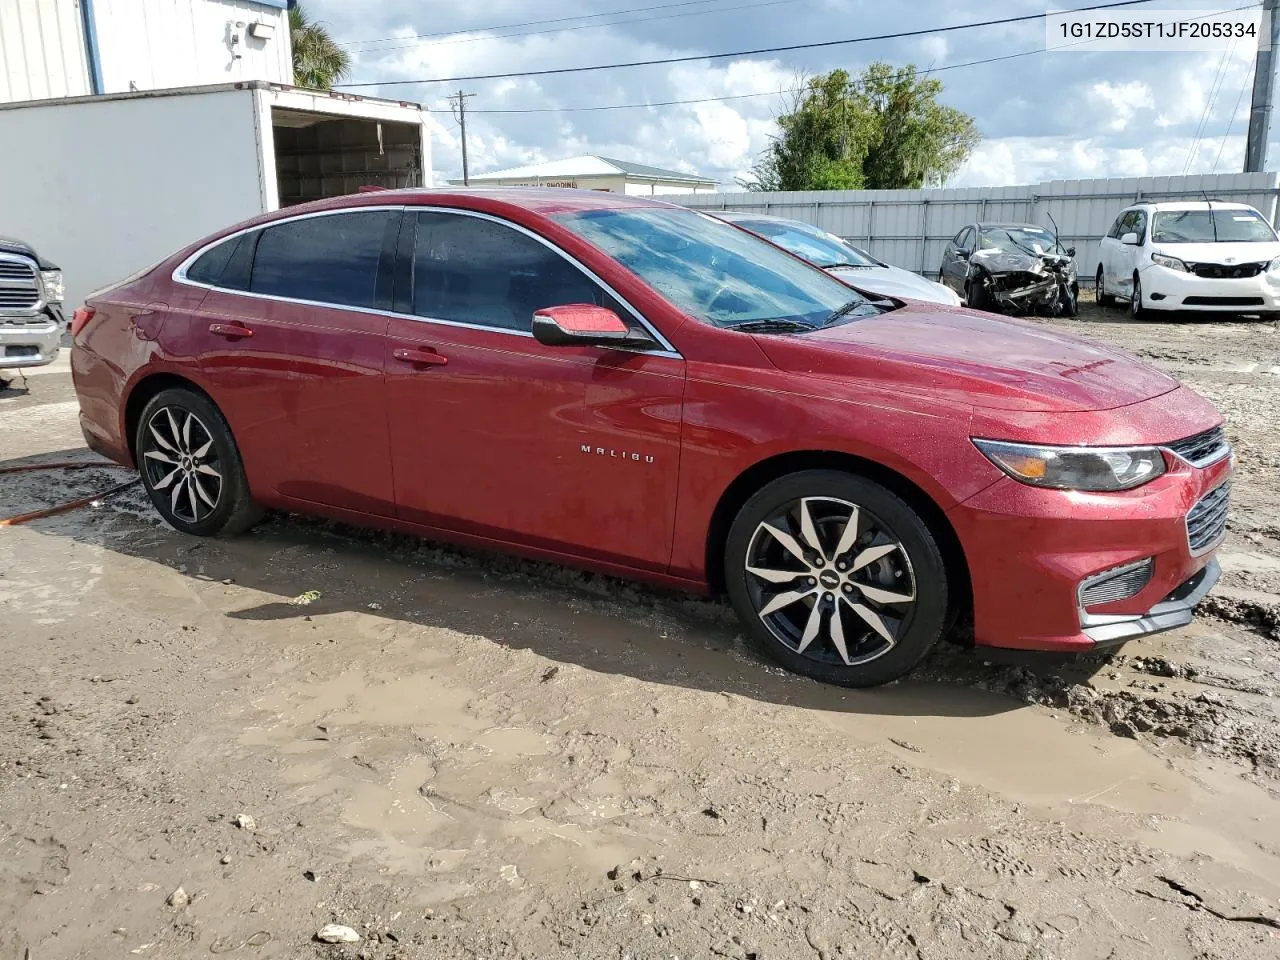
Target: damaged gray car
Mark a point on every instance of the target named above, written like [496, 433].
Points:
[1012, 268]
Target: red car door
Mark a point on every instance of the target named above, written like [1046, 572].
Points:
[292, 345]
[571, 449]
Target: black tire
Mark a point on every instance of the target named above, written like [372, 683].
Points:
[975, 295]
[1136, 310]
[907, 564]
[191, 445]
[1071, 306]
[1104, 299]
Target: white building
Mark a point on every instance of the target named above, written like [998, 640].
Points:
[72, 48]
[597, 173]
[147, 124]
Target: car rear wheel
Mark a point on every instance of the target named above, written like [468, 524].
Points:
[191, 467]
[1100, 291]
[836, 578]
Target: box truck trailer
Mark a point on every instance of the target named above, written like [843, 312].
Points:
[109, 185]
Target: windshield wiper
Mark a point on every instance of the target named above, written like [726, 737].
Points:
[844, 311]
[775, 325]
[844, 263]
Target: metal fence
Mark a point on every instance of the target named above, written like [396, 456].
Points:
[910, 228]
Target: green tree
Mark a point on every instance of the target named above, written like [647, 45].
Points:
[918, 142]
[884, 130]
[318, 62]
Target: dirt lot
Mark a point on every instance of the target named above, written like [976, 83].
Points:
[462, 756]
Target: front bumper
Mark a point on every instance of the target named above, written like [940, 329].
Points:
[1175, 610]
[29, 343]
[1030, 548]
[1165, 289]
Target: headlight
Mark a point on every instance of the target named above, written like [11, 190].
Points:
[1096, 469]
[54, 290]
[1274, 266]
[1173, 263]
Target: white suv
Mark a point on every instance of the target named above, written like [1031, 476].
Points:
[1192, 255]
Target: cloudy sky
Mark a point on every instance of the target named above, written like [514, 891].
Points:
[1044, 116]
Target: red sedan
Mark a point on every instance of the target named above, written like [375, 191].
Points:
[644, 390]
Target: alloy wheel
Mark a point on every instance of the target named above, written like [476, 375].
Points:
[181, 460]
[1099, 288]
[1135, 302]
[830, 581]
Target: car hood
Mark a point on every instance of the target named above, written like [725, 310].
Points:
[988, 360]
[1014, 261]
[894, 282]
[9, 245]
[1220, 252]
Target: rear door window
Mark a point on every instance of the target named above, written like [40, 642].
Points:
[334, 258]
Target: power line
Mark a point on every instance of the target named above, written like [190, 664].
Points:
[743, 53]
[534, 23]
[785, 90]
[1231, 122]
[590, 26]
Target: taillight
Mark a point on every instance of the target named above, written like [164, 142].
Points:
[80, 319]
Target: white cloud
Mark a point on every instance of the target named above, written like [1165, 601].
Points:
[1119, 102]
[1044, 115]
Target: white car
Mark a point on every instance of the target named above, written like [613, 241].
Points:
[851, 264]
[1202, 255]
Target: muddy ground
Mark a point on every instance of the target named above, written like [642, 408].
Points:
[463, 756]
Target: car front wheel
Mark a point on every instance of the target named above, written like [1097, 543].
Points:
[190, 466]
[1136, 310]
[836, 578]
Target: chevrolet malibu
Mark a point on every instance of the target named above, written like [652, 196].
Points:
[652, 393]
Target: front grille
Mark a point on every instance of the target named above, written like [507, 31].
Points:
[1119, 583]
[1204, 448]
[14, 298]
[1226, 271]
[1223, 301]
[1207, 521]
[15, 270]
[19, 284]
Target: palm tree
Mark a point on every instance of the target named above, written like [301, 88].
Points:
[318, 62]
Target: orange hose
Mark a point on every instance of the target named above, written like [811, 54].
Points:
[63, 507]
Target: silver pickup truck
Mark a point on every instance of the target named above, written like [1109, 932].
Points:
[31, 318]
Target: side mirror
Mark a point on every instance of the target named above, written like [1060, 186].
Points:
[584, 324]
[962, 254]
[1130, 240]
[1071, 251]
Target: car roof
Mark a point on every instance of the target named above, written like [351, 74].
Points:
[540, 200]
[1190, 205]
[735, 216]
[1000, 225]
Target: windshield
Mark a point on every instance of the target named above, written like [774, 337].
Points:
[1198, 226]
[1017, 240]
[810, 243]
[710, 270]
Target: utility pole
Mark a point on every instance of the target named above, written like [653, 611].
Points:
[458, 105]
[1264, 75]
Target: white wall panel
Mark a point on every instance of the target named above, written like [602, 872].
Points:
[42, 50]
[910, 228]
[157, 44]
[117, 184]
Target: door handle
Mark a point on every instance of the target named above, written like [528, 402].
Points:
[420, 356]
[232, 331]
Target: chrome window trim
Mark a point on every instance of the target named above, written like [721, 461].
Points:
[37, 285]
[179, 275]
